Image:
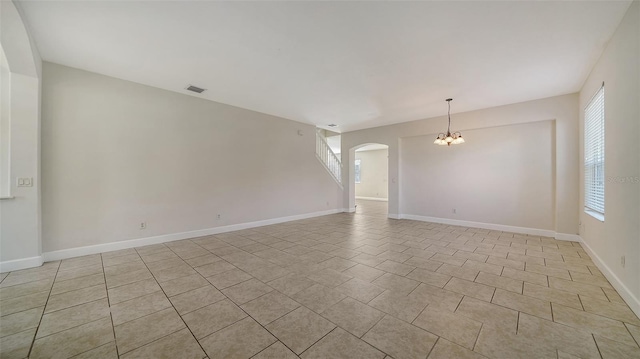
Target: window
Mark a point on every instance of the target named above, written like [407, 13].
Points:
[594, 156]
[357, 171]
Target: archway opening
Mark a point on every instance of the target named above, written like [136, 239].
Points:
[370, 180]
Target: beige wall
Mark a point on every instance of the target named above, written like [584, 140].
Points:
[619, 234]
[116, 153]
[508, 181]
[563, 110]
[373, 174]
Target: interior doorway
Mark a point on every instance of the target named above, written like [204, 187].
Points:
[371, 179]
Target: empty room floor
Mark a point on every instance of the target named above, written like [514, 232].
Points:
[338, 286]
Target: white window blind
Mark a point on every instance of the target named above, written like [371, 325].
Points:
[594, 154]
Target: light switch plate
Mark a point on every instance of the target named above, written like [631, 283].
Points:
[25, 182]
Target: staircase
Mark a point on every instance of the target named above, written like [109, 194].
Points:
[330, 160]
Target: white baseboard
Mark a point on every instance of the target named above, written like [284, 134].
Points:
[17, 264]
[568, 237]
[114, 246]
[374, 199]
[621, 288]
[632, 301]
[350, 210]
[490, 226]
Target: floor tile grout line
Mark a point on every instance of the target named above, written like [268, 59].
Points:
[249, 316]
[580, 300]
[477, 337]
[314, 343]
[79, 277]
[283, 315]
[493, 294]
[269, 346]
[113, 327]
[122, 285]
[459, 302]
[419, 314]
[134, 298]
[99, 346]
[174, 308]
[597, 346]
[433, 346]
[35, 334]
[21, 296]
[75, 326]
[233, 285]
[31, 281]
[605, 293]
[78, 268]
[634, 338]
[272, 334]
[92, 321]
[74, 290]
[379, 320]
[153, 341]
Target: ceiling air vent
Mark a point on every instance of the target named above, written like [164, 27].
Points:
[332, 125]
[196, 89]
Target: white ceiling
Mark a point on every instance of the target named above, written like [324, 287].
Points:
[356, 64]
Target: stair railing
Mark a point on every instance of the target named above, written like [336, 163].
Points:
[328, 158]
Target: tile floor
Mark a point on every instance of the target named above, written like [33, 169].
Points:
[340, 286]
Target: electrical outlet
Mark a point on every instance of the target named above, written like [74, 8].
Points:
[622, 261]
[143, 225]
[218, 216]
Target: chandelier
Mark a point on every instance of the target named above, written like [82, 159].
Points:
[449, 138]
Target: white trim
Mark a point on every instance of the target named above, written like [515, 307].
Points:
[597, 215]
[350, 210]
[113, 246]
[17, 264]
[620, 287]
[374, 199]
[568, 237]
[31, 262]
[491, 226]
[617, 284]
